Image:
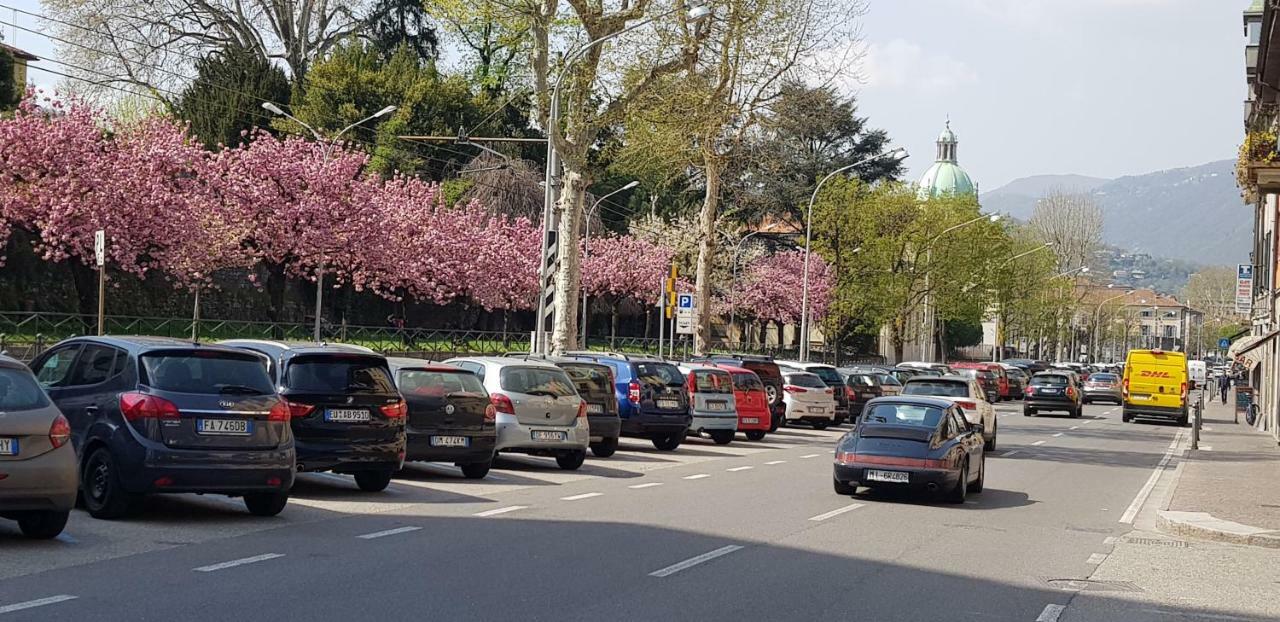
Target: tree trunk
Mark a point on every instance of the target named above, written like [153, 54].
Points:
[706, 255]
[613, 321]
[564, 335]
[85, 281]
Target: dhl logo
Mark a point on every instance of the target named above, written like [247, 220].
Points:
[1154, 374]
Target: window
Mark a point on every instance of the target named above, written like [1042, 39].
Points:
[707, 381]
[537, 381]
[339, 374]
[1255, 32]
[1050, 380]
[659, 374]
[439, 383]
[959, 422]
[590, 380]
[905, 414]
[19, 392]
[806, 380]
[1146, 330]
[1168, 331]
[828, 375]
[1146, 313]
[747, 382]
[55, 371]
[943, 388]
[206, 372]
[95, 365]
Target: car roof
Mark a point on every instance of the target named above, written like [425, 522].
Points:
[947, 378]
[406, 362]
[10, 362]
[926, 400]
[554, 360]
[804, 366]
[290, 349]
[801, 373]
[733, 369]
[682, 366]
[144, 343]
[502, 361]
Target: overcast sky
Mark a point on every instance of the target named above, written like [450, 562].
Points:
[1096, 87]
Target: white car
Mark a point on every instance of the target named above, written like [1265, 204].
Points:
[941, 368]
[966, 393]
[808, 399]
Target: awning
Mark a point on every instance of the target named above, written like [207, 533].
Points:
[1248, 351]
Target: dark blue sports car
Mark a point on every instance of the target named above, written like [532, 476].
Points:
[917, 443]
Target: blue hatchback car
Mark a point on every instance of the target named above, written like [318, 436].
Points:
[653, 401]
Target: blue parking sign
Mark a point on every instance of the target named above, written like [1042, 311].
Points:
[684, 301]
[1224, 343]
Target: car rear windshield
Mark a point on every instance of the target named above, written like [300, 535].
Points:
[766, 371]
[1054, 380]
[659, 374]
[888, 379]
[207, 372]
[904, 414]
[747, 382]
[709, 381]
[936, 387]
[19, 391]
[806, 380]
[537, 381]
[590, 380]
[828, 375]
[1104, 377]
[429, 383]
[339, 373]
[861, 380]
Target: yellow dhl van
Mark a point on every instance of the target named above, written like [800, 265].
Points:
[1155, 385]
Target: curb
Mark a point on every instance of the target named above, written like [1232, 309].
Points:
[1204, 526]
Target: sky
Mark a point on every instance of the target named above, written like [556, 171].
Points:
[1094, 87]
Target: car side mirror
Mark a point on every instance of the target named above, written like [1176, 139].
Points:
[977, 428]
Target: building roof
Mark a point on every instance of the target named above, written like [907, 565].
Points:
[946, 177]
[17, 53]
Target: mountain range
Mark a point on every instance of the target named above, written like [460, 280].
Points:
[1193, 214]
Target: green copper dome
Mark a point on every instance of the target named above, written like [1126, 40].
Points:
[946, 177]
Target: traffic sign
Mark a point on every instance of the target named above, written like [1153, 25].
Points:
[684, 324]
[684, 302]
[1224, 343]
[100, 247]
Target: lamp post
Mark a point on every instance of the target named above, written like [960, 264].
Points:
[328, 149]
[586, 249]
[1097, 315]
[927, 321]
[897, 154]
[695, 13]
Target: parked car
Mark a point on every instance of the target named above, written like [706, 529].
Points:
[769, 373]
[904, 374]
[862, 387]
[939, 368]
[1103, 386]
[967, 394]
[889, 384]
[1018, 379]
[754, 418]
[158, 415]
[833, 378]
[37, 459]
[808, 399]
[1053, 390]
[595, 385]
[711, 402]
[345, 411]
[653, 399]
[539, 410]
[1001, 390]
[990, 386]
[451, 418]
[1031, 366]
[917, 443]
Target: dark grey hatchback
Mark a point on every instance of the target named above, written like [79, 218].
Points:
[159, 415]
[451, 418]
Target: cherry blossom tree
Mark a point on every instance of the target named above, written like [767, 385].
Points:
[624, 268]
[771, 288]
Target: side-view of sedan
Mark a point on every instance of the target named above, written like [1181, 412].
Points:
[1103, 386]
[37, 462]
[913, 443]
[450, 416]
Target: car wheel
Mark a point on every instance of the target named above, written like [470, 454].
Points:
[821, 425]
[844, 489]
[266, 503]
[755, 435]
[605, 448]
[1078, 412]
[958, 493]
[990, 444]
[1028, 412]
[571, 460]
[373, 481]
[1184, 421]
[775, 422]
[476, 470]
[669, 442]
[1126, 417]
[722, 437]
[104, 496]
[42, 525]
[976, 486]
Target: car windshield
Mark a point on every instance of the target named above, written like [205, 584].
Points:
[207, 372]
[711, 381]
[904, 414]
[889, 380]
[862, 380]
[659, 374]
[747, 382]
[806, 380]
[19, 391]
[1054, 380]
[339, 373]
[537, 381]
[828, 375]
[941, 388]
[590, 380]
[428, 383]
[1103, 377]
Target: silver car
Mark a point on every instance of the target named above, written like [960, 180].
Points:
[1104, 387]
[37, 461]
[539, 411]
[715, 412]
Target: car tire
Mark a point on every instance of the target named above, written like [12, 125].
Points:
[266, 503]
[1125, 417]
[605, 448]
[990, 444]
[977, 484]
[669, 442]
[1184, 421]
[43, 525]
[821, 425]
[722, 437]
[755, 435]
[476, 470]
[571, 460]
[1028, 412]
[104, 496]
[958, 494]
[1078, 412]
[844, 489]
[373, 481]
[775, 422]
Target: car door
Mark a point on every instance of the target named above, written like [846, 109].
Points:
[984, 405]
[968, 438]
[53, 371]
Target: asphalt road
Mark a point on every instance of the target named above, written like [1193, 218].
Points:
[749, 531]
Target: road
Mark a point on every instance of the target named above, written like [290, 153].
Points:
[747, 531]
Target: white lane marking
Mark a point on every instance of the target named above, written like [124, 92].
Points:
[1206, 448]
[1037, 443]
[826, 515]
[773, 462]
[1109, 540]
[694, 561]
[649, 485]
[1206, 428]
[1006, 455]
[741, 468]
[32, 604]
[1075, 427]
[1057, 435]
[1051, 613]
[698, 476]
[389, 532]
[585, 495]
[238, 562]
[69, 539]
[1092, 420]
[1096, 558]
[495, 512]
[1141, 498]
[810, 455]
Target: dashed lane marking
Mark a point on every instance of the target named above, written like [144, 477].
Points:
[837, 512]
[497, 511]
[390, 532]
[238, 562]
[32, 604]
[773, 462]
[585, 495]
[1006, 455]
[1141, 498]
[694, 561]
[741, 468]
[649, 485]
[1038, 443]
[1057, 435]
[1075, 427]
[810, 455]
[1051, 613]
[698, 476]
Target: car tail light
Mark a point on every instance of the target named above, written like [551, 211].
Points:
[791, 388]
[502, 404]
[163, 482]
[274, 482]
[1183, 390]
[848, 393]
[279, 412]
[846, 457]
[1071, 391]
[690, 385]
[633, 392]
[298, 411]
[828, 391]
[967, 404]
[582, 409]
[397, 410]
[1029, 391]
[135, 406]
[59, 432]
[490, 413]
[1125, 387]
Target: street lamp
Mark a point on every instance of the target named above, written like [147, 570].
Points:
[695, 13]
[586, 249]
[896, 154]
[927, 322]
[328, 149]
[1097, 315]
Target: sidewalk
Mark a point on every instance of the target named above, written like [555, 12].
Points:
[1228, 490]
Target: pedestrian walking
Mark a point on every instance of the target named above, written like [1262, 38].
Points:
[1224, 384]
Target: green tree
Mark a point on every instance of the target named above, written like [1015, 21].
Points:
[392, 23]
[225, 99]
[10, 92]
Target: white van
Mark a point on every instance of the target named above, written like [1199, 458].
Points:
[1197, 373]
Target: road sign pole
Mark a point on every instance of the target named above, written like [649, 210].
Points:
[100, 257]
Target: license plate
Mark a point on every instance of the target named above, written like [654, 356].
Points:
[1049, 391]
[718, 406]
[1140, 396]
[450, 441]
[817, 409]
[868, 396]
[669, 404]
[595, 409]
[339, 415]
[751, 420]
[896, 477]
[549, 435]
[8, 446]
[228, 427]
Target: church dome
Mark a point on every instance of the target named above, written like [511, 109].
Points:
[946, 177]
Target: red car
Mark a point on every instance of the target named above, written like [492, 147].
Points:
[754, 417]
[1003, 388]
